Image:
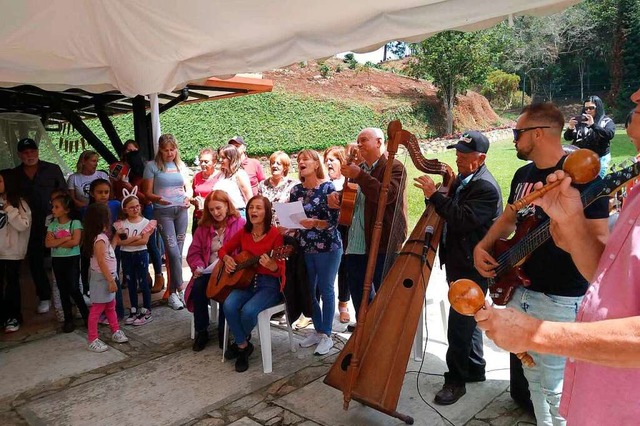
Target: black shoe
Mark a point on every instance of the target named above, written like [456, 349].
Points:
[202, 337]
[242, 363]
[450, 394]
[351, 328]
[232, 351]
[68, 327]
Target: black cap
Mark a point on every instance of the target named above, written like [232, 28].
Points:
[237, 139]
[472, 141]
[26, 143]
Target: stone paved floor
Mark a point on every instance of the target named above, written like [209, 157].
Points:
[48, 378]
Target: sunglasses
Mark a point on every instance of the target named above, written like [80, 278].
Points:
[589, 108]
[518, 132]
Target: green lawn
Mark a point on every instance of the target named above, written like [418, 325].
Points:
[502, 162]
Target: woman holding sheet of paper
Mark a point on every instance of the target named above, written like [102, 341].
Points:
[321, 243]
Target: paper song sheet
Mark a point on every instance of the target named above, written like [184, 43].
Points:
[290, 214]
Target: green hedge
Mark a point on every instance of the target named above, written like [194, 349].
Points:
[268, 122]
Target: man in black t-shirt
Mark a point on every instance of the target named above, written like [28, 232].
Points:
[557, 287]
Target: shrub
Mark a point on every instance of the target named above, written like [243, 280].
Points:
[500, 88]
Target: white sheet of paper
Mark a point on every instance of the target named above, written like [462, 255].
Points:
[290, 214]
[209, 269]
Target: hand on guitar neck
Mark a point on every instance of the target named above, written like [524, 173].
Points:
[349, 190]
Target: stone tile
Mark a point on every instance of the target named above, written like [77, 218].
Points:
[195, 383]
[210, 422]
[268, 413]
[245, 421]
[323, 404]
[289, 418]
[41, 363]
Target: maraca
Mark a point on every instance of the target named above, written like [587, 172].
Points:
[467, 298]
[583, 165]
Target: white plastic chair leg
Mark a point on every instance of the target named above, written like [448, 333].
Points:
[264, 330]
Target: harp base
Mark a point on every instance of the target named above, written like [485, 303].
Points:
[405, 418]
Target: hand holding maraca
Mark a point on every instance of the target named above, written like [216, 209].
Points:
[508, 328]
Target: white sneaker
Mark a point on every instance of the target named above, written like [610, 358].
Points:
[181, 296]
[119, 337]
[87, 300]
[174, 302]
[43, 306]
[325, 345]
[311, 340]
[97, 346]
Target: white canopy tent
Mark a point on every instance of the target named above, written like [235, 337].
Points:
[156, 46]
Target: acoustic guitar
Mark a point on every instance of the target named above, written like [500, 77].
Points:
[513, 253]
[221, 282]
[349, 194]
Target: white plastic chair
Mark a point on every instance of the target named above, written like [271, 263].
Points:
[264, 331]
[418, 343]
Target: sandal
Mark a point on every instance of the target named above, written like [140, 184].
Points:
[343, 309]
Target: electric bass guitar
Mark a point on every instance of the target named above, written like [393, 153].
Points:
[513, 253]
[221, 282]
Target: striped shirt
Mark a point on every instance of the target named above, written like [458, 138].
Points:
[356, 241]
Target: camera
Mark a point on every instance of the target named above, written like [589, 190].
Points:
[580, 118]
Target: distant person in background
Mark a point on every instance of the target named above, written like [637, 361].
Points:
[37, 179]
[234, 180]
[164, 185]
[593, 131]
[203, 183]
[278, 187]
[250, 165]
[15, 223]
[78, 183]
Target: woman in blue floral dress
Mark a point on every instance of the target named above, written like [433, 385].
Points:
[322, 246]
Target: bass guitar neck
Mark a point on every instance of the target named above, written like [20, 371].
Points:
[512, 254]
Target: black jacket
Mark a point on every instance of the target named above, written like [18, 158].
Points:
[468, 216]
[597, 137]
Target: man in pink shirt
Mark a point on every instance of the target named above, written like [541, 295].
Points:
[602, 374]
[250, 165]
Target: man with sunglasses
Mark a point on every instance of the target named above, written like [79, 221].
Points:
[602, 377]
[557, 287]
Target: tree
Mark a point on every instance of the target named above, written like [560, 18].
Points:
[396, 48]
[454, 61]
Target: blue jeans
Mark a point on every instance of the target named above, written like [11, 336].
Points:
[356, 267]
[322, 269]
[605, 160]
[546, 377]
[242, 307]
[135, 265]
[172, 222]
[154, 245]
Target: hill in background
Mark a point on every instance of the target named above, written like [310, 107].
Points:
[307, 110]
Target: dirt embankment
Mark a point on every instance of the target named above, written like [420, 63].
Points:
[383, 91]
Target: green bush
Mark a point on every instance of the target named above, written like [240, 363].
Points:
[324, 69]
[500, 89]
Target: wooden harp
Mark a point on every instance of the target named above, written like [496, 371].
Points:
[371, 367]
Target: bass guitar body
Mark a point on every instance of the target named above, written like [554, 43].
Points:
[501, 287]
[221, 283]
[349, 194]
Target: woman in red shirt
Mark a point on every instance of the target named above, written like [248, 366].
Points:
[242, 306]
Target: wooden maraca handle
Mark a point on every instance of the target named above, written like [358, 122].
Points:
[527, 199]
[583, 165]
[467, 298]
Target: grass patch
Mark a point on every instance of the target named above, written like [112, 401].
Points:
[502, 163]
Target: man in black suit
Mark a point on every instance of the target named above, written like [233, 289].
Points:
[474, 204]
